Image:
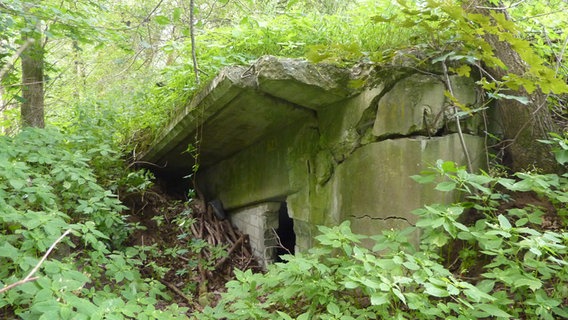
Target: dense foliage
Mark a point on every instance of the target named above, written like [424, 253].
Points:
[133, 59]
[52, 181]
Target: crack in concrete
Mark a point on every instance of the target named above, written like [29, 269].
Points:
[383, 219]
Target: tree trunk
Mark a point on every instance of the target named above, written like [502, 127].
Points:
[521, 125]
[32, 108]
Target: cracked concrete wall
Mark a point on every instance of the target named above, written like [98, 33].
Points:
[353, 158]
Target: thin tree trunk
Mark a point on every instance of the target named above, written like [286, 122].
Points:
[32, 108]
[192, 34]
[80, 81]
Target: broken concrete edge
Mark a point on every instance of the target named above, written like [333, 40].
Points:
[221, 90]
[329, 83]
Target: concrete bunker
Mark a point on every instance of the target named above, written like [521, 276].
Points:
[288, 131]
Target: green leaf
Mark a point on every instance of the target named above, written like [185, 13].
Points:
[162, 20]
[561, 156]
[449, 166]
[82, 305]
[8, 251]
[424, 178]
[493, 310]
[304, 316]
[446, 186]
[176, 14]
[533, 284]
[504, 222]
[435, 291]
[333, 308]
[379, 298]
[521, 99]
[17, 184]
[381, 19]
[399, 294]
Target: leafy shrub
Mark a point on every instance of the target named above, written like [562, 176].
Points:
[51, 181]
[524, 269]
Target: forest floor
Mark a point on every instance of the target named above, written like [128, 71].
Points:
[192, 252]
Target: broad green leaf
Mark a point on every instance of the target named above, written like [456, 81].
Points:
[162, 20]
[533, 284]
[8, 251]
[449, 166]
[424, 178]
[17, 184]
[304, 316]
[333, 308]
[435, 291]
[561, 156]
[446, 186]
[504, 222]
[379, 298]
[176, 14]
[493, 310]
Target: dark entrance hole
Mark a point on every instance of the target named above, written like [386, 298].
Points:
[285, 233]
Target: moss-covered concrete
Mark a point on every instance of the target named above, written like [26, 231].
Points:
[383, 194]
[415, 105]
[260, 172]
[288, 130]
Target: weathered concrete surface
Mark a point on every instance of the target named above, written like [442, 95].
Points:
[272, 168]
[415, 105]
[383, 194]
[242, 105]
[300, 82]
[287, 130]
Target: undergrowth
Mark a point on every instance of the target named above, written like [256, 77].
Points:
[52, 181]
[519, 254]
[487, 256]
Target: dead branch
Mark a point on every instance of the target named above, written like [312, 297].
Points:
[30, 276]
[231, 251]
[177, 291]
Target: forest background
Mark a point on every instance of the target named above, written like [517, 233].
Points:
[103, 77]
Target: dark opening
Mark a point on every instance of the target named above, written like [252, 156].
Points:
[285, 232]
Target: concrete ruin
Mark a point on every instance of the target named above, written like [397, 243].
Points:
[287, 145]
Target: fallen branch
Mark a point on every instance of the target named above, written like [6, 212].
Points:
[30, 276]
[233, 248]
[177, 291]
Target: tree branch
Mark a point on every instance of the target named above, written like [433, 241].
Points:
[458, 124]
[15, 57]
[30, 276]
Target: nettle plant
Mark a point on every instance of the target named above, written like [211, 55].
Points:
[51, 182]
[482, 257]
